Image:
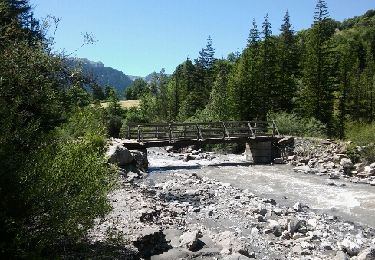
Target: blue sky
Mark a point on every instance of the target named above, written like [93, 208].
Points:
[142, 36]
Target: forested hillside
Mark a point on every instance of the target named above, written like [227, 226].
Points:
[324, 75]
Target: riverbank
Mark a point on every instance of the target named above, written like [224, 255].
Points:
[182, 211]
[329, 158]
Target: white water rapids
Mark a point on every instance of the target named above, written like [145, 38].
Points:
[352, 202]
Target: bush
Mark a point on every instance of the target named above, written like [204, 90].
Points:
[60, 188]
[66, 184]
[360, 133]
[363, 137]
[114, 124]
[291, 124]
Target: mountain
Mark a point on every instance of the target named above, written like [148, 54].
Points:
[134, 77]
[105, 76]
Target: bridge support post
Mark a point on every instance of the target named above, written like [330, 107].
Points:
[259, 152]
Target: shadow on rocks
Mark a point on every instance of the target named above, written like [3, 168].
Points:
[86, 250]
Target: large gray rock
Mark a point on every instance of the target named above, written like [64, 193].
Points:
[190, 240]
[340, 255]
[347, 165]
[151, 241]
[140, 158]
[349, 246]
[367, 254]
[119, 155]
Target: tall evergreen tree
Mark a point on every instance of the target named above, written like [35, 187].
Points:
[268, 90]
[254, 37]
[288, 66]
[318, 76]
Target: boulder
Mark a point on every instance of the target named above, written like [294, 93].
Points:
[302, 169]
[278, 161]
[151, 241]
[348, 246]
[119, 155]
[190, 240]
[369, 170]
[140, 158]
[347, 165]
[340, 255]
[367, 254]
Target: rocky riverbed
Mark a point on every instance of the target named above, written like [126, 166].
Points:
[182, 210]
[329, 158]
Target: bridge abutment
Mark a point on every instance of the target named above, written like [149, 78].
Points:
[259, 152]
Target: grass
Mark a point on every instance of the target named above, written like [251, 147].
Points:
[125, 104]
[361, 134]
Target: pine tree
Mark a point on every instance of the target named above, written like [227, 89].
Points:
[268, 72]
[218, 106]
[318, 75]
[288, 66]
[254, 37]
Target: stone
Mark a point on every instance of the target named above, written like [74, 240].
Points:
[190, 240]
[302, 169]
[277, 211]
[334, 175]
[189, 157]
[372, 166]
[147, 214]
[227, 240]
[340, 255]
[326, 245]
[174, 253]
[236, 256]
[292, 157]
[369, 171]
[329, 165]
[350, 247]
[295, 225]
[275, 227]
[297, 207]
[278, 161]
[367, 254]
[151, 241]
[119, 155]
[347, 165]
[140, 158]
[173, 235]
[312, 223]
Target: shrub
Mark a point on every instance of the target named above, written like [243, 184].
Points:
[114, 124]
[65, 187]
[360, 133]
[363, 138]
[291, 124]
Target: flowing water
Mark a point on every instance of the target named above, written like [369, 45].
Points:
[352, 202]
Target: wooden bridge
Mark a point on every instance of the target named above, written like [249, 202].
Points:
[260, 136]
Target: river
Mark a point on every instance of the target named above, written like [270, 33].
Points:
[351, 202]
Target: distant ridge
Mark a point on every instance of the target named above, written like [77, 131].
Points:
[105, 76]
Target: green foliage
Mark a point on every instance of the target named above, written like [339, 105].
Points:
[353, 153]
[86, 121]
[53, 177]
[360, 133]
[65, 187]
[291, 124]
[136, 90]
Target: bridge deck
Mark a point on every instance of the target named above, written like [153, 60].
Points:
[183, 134]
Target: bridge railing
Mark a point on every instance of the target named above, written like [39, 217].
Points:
[200, 131]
